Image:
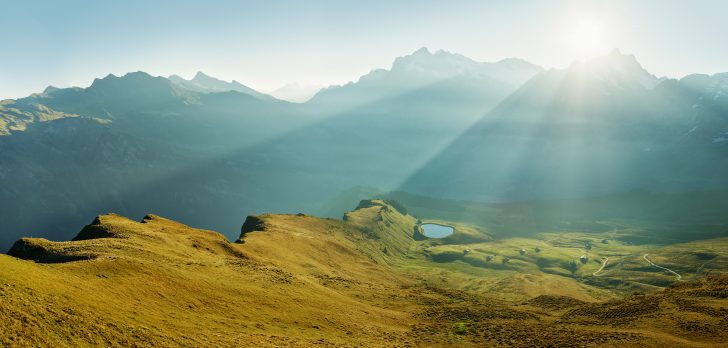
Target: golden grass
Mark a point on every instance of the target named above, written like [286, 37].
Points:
[303, 278]
[303, 281]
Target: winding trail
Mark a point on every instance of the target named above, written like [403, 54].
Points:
[601, 268]
[679, 277]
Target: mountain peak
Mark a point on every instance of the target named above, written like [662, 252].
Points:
[617, 67]
[423, 69]
[422, 51]
[438, 64]
[135, 75]
[617, 57]
[108, 77]
[111, 78]
[202, 76]
[134, 88]
[50, 89]
[203, 83]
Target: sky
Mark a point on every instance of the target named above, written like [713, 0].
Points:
[267, 44]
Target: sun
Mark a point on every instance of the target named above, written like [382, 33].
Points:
[588, 37]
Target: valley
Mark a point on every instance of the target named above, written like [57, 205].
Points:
[204, 151]
[364, 173]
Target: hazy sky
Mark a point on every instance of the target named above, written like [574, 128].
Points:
[266, 44]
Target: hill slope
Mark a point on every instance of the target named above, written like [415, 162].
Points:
[158, 282]
[297, 280]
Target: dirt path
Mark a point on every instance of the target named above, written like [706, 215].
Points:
[601, 268]
[679, 277]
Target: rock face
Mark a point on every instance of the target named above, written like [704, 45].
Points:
[252, 223]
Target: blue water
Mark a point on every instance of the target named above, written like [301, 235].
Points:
[436, 231]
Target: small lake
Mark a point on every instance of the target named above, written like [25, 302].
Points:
[436, 231]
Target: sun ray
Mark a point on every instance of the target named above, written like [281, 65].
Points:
[588, 37]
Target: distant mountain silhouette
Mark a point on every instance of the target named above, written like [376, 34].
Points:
[605, 125]
[205, 151]
[441, 75]
[295, 92]
[207, 84]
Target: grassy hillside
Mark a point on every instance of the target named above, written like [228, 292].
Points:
[298, 280]
[157, 282]
[659, 217]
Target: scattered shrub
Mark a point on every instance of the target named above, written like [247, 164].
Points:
[461, 328]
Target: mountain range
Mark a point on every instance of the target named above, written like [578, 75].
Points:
[204, 151]
[594, 128]
[207, 84]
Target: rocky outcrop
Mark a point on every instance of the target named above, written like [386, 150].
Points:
[95, 230]
[252, 223]
[368, 203]
[417, 233]
[41, 250]
[111, 236]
